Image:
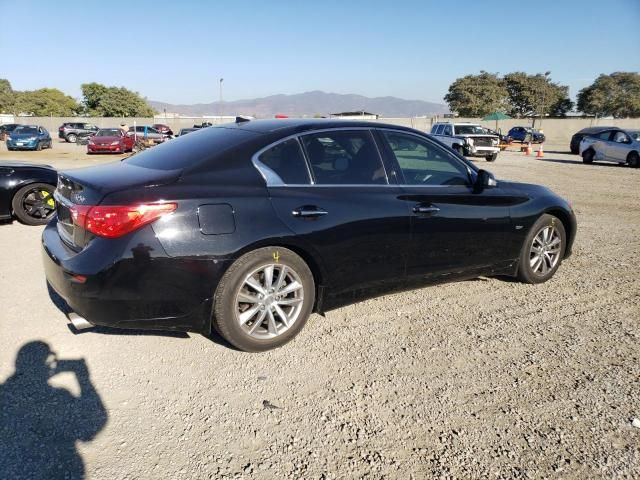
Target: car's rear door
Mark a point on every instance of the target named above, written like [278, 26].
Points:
[331, 190]
[455, 229]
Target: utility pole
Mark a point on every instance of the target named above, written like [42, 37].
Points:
[544, 89]
[221, 80]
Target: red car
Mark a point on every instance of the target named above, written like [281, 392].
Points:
[162, 128]
[110, 140]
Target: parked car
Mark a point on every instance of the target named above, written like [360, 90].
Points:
[6, 129]
[26, 192]
[29, 137]
[520, 134]
[184, 131]
[162, 128]
[110, 140]
[71, 131]
[468, 139]
[577, 137]
[150, 133]
[619, 146]
[249, 227]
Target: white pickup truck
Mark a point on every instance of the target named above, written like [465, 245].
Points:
[469, 139]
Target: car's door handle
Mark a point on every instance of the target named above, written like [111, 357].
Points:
[425, 209]
[309, 212]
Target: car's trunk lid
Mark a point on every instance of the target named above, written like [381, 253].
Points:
[89, 186]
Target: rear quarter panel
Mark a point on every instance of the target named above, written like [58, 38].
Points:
[13, 178]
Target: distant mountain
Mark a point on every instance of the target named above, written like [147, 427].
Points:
[309, 104]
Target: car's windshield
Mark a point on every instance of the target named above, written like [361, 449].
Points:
[469, 130]
[27, 130]
[108, 132]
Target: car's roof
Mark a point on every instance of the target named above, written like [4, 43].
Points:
[597, 129]
[296, 125]
[18, 164]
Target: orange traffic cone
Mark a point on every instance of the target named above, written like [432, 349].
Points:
[540, 153]
[529, 149]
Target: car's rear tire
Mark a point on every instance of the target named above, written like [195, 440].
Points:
[587, 155]
[264, 299]
[543, 250]
[633, 160]
[72, 138]
[459, 149]
[492, 157]
[33, 204]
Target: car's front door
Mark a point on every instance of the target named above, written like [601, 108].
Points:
[331, 190]
[455, 228]
[618, 148]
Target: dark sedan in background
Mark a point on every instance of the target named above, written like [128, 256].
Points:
[26, 192]
[29, 137]
[249, 227]
[522, 134]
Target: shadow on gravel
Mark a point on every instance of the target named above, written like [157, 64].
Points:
[40, 424]
[579, 161]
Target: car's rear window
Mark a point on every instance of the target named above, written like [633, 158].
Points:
[192, 149]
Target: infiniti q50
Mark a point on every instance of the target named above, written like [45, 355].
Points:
[248, 228]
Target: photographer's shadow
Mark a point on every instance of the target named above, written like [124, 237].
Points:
[40, 424]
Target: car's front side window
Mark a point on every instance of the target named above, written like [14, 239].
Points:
[424, 163]
[621, 137]
[284, 163]
[344, 157]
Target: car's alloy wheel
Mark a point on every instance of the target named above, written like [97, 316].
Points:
[543, 250]
[264, 299]
[72, 138]
[34, 204]
[269, 301]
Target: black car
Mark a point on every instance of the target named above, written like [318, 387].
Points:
[577, 137]
[26, 192]
[249, 227]
[72, 131]
[7, 128]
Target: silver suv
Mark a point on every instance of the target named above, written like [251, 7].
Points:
[614, 145]
[469, 139]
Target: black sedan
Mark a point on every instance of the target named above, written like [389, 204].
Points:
[250, 227]
[26, 192]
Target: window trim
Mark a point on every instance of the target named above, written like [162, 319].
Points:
[471, 174]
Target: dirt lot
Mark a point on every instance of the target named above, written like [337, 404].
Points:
[487, 378]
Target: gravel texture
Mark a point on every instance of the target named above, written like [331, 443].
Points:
[482, 379]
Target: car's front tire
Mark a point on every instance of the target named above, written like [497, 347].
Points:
[587, 155]
[264, 299]
[543, 250]
[492, 157]
[633, 160]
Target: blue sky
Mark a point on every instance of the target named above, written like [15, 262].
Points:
[176, 51]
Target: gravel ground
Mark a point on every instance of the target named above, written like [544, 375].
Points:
[486, 378]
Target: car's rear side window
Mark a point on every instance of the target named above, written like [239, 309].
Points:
[192, 149]
[287, 162]
[344, 158]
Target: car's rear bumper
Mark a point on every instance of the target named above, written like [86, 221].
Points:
[131, 283]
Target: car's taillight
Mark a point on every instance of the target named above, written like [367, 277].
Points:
[112, 221]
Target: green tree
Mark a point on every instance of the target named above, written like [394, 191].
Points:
[101, 100]
[477, 95]
[45, 102]
[7, 96]
[617, 94]
[536, 95]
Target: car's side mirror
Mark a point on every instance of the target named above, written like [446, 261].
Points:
[484, 180]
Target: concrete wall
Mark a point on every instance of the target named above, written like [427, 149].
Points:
[558, 131]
